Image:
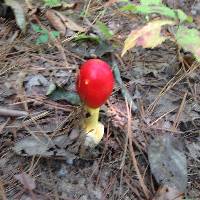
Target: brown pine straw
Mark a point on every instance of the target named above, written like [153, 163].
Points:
[4, 111]
[135, 164]
[2, 191]
[175, 80]
[178, 115]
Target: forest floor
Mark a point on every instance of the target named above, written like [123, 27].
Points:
[39, 157]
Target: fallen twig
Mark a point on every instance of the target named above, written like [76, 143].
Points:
[133, 156]
[12, 113]
[177, 119]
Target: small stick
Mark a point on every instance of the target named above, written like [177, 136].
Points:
[177, 119]
[12, 113]
[132, 153]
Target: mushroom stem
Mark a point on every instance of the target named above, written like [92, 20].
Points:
[92, 120]
[93, 129]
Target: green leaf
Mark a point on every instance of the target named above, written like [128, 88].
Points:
[106, 32]
[42, 39]
[83, 37]
[36, 28]
[51, 88]
[162, 10]
[124, 1]
[60, 94]
[52, 3]
[54, 34]
[182, 16]
[158, 9]
[189, 40]
[151, 2]
[129, 7]
[189, 19]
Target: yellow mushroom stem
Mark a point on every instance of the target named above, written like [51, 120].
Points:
[93, 129]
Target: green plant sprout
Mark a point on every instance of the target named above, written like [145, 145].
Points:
[44, 35]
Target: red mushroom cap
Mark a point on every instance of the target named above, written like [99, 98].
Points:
[95, 82]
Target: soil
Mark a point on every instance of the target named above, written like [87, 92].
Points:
[162, 82]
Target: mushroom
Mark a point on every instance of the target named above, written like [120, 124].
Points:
[94, 85]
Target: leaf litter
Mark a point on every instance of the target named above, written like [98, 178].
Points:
[144, 73]
[18, 12]
[148, 36]
[26, 180]
[61, 22]
[168, 162]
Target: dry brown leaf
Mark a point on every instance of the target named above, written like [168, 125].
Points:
[110, 2]
[147, 36]
[73, 26]
[68, 5]
[168, 193]
[55, 21]
[26, 180]
[168, 161]
[60, 22]
[18, 12]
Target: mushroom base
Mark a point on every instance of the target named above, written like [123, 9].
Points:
[93, 137]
